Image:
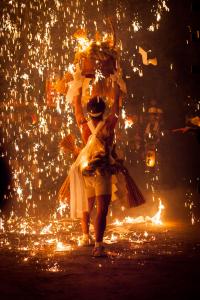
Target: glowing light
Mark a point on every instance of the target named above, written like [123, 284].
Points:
[158, 17]
[98, 76]
[54, 269]
[137, 70]
[156, 219]
[151, 27]
[46, 229]
[84, 164]
[62, 208]
[60, 247]
[1, 224]
[136, 26]
[71, 68]
[128, 123]
[83, 43]
[123, 113]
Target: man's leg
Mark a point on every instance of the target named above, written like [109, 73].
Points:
[85, 222]
[103, 202]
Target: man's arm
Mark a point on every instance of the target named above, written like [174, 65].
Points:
[115, 107]
[113, 117]
[80, 118]
[79, 115]
[183, 130]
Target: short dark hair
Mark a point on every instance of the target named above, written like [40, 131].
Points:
[96, 107]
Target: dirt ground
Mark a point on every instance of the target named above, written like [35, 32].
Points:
[164, 265]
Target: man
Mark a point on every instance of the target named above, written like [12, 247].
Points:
[97, 167]
[95, 164]
[97, 179]
[192, 125]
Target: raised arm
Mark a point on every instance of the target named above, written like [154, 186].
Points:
[80, 118]
[79, 115]
[115, 109]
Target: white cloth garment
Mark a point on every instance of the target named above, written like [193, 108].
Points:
[78, 198]
[119, 191]
[123, 187]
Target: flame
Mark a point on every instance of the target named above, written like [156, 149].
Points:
[156, 219]
[55, 268]
[83, 43]
[128, 123]
[46, 229]
[60, 247]
[98, 76]
[84, 164]
[62, 208]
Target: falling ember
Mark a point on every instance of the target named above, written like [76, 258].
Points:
[158, 17]
[136, 26]
[151, 28]
[1, 225]
[98, 76]
[83, 43]
[25, 259]
[62, 208]
[128, 123]
[84, 164]
[46, 229]
[54, 269]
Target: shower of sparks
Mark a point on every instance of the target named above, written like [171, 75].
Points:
[38, 44]
[98, 76]
[128, 123]
[84, 44]
[54, 269]
[60, 247]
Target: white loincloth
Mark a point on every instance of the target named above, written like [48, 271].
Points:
[78, 199]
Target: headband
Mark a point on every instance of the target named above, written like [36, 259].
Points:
[95, 115]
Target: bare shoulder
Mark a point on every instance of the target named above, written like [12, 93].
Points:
[111, 121]
[85, 130]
